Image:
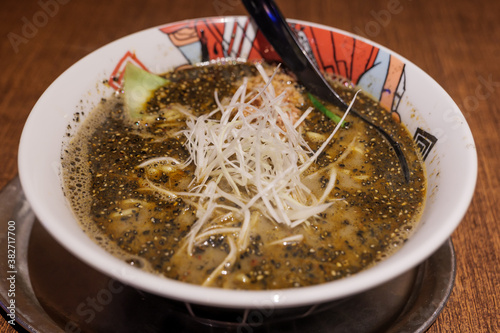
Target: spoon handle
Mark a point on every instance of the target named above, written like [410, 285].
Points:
[273, 25]
[278, 33]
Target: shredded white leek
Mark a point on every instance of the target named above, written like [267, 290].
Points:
[288, 240]
[251, 156]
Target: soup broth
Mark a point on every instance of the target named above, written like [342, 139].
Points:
[135, 184]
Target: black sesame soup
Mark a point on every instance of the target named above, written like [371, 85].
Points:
[230, 177]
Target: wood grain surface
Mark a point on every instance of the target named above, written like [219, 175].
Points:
[457, 42]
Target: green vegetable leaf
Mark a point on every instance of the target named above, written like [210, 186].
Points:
[139, 86]
[318, 105]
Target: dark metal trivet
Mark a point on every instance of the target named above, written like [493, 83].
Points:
[55, 292]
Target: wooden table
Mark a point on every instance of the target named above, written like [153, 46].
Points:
[456, 41]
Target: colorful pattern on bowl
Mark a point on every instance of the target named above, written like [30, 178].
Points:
[374, 70]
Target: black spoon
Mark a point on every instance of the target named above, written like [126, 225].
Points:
[273, 25]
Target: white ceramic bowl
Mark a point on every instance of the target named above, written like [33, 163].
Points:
[427, 110]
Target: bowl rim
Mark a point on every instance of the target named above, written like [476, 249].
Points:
[277, 298]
